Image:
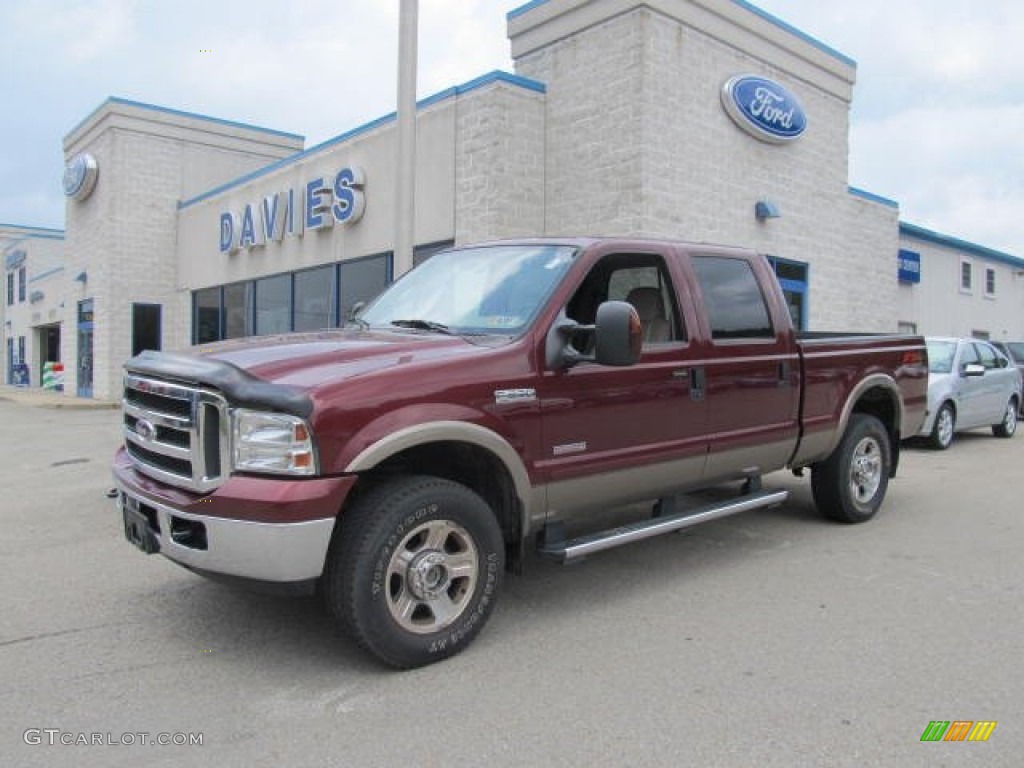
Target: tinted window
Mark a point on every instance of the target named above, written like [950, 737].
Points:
[362, 280]
[274, 305]
[968, 355]
[207, 314]
[1016, 351]
[735, 306]
[987, 355]
[315, 294]
[237, 310]
[146, 330]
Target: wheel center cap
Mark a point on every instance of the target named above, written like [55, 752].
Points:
[428, 577]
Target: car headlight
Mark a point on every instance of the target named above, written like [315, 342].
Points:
[272, 442]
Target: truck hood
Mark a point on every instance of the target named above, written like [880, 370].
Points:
[306, 360]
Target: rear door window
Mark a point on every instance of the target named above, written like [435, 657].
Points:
[735, 306]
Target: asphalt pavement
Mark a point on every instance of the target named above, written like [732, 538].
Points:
[772, 638]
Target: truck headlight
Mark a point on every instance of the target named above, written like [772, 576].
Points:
[272, 442]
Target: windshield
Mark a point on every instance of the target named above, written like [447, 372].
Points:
[940, 356]
[487, 290]
[1016, 350]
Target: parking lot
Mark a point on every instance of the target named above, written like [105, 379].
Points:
[771, 638]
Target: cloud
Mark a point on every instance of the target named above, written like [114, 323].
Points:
[80, 31]
[960, 172]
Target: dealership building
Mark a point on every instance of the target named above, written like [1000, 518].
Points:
[704, 120]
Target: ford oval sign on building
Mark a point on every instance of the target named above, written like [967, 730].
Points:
[763, 108]
[80, 176]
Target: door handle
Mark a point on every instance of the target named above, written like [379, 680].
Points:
[697, 383]
[784, 369]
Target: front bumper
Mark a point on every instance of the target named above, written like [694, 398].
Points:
[271, 530]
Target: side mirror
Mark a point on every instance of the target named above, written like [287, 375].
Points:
[616, 338]
[618, 334]
[973, 370]
[356, 308]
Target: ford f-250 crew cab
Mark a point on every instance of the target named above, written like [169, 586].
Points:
[497, 396]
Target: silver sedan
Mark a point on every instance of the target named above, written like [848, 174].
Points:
[970, 384]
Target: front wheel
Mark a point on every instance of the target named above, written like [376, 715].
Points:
[942, 431]
[415, 570]
[1008, 425]
[850, 485]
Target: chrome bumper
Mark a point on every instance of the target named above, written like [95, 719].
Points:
[269, 552]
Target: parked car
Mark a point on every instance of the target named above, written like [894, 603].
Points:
[1015, 351]
[971, 384]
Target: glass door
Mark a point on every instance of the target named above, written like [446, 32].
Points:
[85, 331]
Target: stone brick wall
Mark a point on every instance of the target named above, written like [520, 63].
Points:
[124, 235]
[499, 164]
[638, 143]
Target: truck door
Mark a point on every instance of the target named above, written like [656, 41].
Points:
[751, 368]
[616, 435]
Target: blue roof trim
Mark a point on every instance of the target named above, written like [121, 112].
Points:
[181, 113]
[46, 233]
[872, 197]
[775, 20]
[524, 8]
[496, 76]
[928, 235]
[794, 31]
[47, 273]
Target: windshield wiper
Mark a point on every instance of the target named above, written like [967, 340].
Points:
[426, 325]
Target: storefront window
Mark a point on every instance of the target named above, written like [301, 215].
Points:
[362, 280]
[423, 252]
[206, 316]
[315, 294]
[237, 310]
[793, 279]
[85, 311]
[274, 305]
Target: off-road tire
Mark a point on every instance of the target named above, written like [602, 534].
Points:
[414, 570]
[850, 485]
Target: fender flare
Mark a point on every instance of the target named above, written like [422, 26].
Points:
[876, 380]
[450, 431]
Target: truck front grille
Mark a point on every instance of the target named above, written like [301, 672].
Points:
[176, 433]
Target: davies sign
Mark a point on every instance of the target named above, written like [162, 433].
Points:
[763, 108]
[318, 204]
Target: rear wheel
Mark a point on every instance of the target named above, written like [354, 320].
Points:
[942, 430]
[1008, 425]
[415, 569]
[850, 485]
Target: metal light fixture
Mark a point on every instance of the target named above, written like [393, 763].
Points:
[765, 209]
[81, 277]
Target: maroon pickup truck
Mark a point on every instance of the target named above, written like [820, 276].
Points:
[499, 396]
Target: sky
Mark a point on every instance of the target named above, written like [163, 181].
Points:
[937, 122]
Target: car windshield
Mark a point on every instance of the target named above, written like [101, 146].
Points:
[940, 356]
[1016, 350]
[494, 289]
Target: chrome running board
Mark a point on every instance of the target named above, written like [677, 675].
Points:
[574, 549]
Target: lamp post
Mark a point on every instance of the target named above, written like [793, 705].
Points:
[405, 186]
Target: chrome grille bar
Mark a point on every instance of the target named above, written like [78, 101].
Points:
[176, 433]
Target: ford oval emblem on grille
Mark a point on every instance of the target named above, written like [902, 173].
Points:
[145, 429]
